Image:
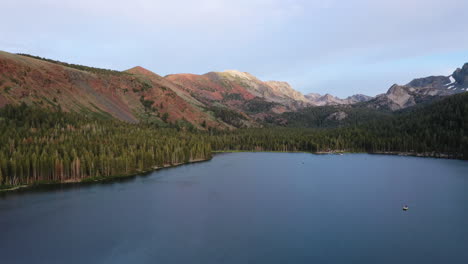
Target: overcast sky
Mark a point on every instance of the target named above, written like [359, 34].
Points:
[328, 46]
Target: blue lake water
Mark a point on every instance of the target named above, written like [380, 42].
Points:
[250, 208]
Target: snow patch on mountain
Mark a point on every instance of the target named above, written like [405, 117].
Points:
[452, 81]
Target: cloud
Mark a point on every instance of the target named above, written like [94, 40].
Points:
[175, 13]
[311, 44]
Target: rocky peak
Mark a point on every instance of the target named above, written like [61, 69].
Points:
[312, 96]
[285, 89]
[239, 74]
[392, 88]
[430, 82]
[357, 98]
[271, 91]
[456, 82]
[418, 90]
[424, 90]
[280, 85]
[461, 75]
[329, 99]
[141, 71]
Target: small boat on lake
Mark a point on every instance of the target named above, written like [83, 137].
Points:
[405, 208]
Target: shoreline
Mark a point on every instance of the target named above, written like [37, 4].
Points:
[97, 179]
[418, 154]
[166, 166]
[340, 152]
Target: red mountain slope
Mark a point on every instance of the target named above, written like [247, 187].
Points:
[129, 96]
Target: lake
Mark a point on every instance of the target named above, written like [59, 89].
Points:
[250, 208]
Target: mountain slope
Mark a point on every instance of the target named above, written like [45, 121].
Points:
[422, 90]
[241, 91]
[213, 100]
[436, 129]
[284, 89]
[131, 96]
[328, 116]
[278, 92]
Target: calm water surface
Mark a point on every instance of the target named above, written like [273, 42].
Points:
[250, 208]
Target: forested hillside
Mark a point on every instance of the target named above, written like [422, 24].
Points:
[136, 95]
[38, 145]
[215, 100]
[328, 116]
[63, 122]
[439, 130]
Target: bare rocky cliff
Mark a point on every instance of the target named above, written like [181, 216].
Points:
[328, 99]
[422, 90]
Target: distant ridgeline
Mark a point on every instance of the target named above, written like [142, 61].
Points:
[39, 145]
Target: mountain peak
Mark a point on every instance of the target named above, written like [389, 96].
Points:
[359, 98]
[141, 71]
[431, 81]
[328, 99]
[236, 73]
[136, 68]
[461, 75]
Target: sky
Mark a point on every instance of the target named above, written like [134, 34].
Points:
[341, 47]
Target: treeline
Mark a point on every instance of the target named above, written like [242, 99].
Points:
[76, 66]
[228, 116]
[439, 129]
[38, 145]
[259, 105]
[323, 116]
[261, 139]
[52, 146]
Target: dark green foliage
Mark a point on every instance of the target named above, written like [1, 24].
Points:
[144, 86]
[228, 116]
[184, 125]
[148, 104]
[322, 116]
[232, 96]
[259, 105]
[40, 145]
[165, 116]
[440, 129]
[14, 80]
[76, 66]
[260, 139]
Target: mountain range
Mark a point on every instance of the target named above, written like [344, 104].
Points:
[221, 100]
